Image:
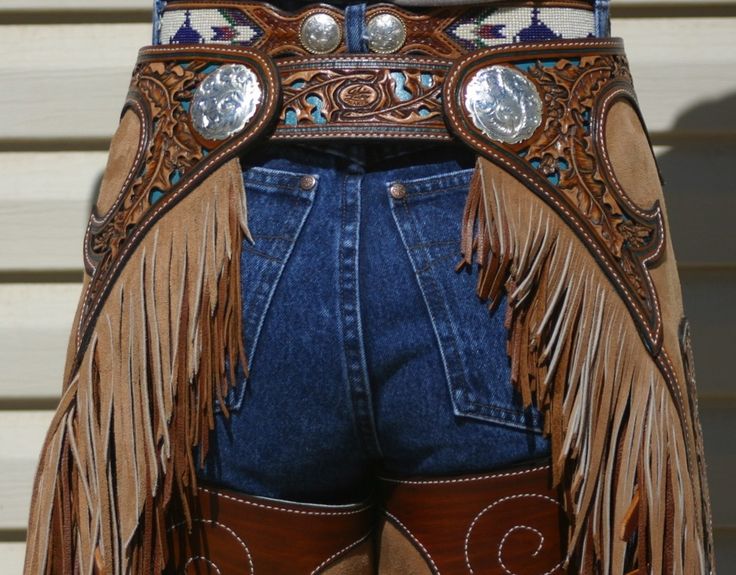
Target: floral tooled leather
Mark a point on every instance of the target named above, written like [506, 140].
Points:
[356, 95]
[174, 158]
[562, 163]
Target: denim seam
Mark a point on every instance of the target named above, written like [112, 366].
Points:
[442, 190]
[262, 254]
[433, 244]
[438, 288]
[602, 18]
[363, 414]
[158, 9]
[239, 394]
[488, 410]
[403, 205]
[438, 180]
[355, 27]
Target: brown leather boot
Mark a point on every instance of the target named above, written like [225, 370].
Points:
[234, 533]
[485, 524]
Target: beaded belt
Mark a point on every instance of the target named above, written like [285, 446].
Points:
[386, 28]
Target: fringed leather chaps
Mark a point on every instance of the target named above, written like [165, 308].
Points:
[567, 217]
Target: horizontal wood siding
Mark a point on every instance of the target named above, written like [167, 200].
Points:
[65, 71]
[663, 61]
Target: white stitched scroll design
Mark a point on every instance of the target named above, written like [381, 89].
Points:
[226, 528]
[509, 532]
[200, 558]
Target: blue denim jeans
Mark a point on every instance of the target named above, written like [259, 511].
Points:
[368, 352]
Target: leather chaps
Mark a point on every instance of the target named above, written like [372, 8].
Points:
[496, 523]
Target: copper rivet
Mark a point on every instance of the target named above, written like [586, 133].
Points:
[307, 182]
[397, 190]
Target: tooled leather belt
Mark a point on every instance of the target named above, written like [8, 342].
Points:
[327, 88]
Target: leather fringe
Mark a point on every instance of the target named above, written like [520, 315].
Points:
[116, 454]
[620, 455]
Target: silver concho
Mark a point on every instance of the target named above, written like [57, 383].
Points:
[320, 33]
[385, 33]
[503, 104]
[225, 101]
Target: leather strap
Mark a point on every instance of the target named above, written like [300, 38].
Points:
[233, 533]
[493, 523]
[362, 96]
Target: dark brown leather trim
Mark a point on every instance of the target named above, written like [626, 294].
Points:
[239, 533]
[493, 523]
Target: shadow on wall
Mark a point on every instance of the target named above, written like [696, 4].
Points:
[700, 194]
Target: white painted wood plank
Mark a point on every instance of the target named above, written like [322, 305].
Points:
[66, 81]
[22, 434]
[44, 202]
[11, 558]
[35, 328]
[683, 83]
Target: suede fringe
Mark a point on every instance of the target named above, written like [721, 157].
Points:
[118, 452]
[620, 455]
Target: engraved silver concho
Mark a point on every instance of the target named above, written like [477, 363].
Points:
[385, 33]
[503, 104]
[320, 33]
[225, 101]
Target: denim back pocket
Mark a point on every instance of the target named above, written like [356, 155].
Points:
[278, 205]
[472, 338]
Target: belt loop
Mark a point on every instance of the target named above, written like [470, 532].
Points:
[602, 18]
[158, 10]
[355, 27]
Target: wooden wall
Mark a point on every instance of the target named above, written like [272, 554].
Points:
[63, 77]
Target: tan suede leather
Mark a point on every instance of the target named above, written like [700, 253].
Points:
[358, 561]
[397, 554]
[635, 168]
[631, 156]
[124, 147]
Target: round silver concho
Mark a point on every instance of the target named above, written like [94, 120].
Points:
[385, 33]
[320, 33]
[503, 104]
[225, 101]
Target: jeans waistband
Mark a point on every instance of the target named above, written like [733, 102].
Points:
[492, 24]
